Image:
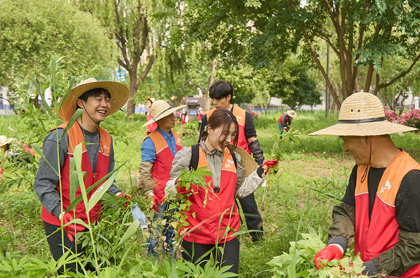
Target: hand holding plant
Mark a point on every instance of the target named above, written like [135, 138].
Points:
[70, 228]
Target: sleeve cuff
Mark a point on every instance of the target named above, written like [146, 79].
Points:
[56, 211]
[338, 240]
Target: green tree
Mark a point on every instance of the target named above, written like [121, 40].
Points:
[361, 33]
[139, 29]
[298, 90]
[32, 31]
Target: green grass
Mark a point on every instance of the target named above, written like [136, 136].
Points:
[317, 160]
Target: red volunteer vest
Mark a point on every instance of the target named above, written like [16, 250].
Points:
[286, 121]
[210, 221]
[153, 125]
[75, 137]
[163, 163]
[381, 234]
[240, 115]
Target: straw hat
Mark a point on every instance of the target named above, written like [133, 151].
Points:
[119, 96]
[291, 113]
[362, 114]
[4, 140]
[247, 161]
[149, 98]
[160, 109]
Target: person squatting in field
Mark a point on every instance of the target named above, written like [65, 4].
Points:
[157, 152]
[381, 208]
[13, 155]
[221, 93]
[98, 100]
[285, 121]
[213, 220]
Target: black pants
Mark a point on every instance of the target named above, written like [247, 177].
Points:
[55, 242]
[252, 216]
[193, 251]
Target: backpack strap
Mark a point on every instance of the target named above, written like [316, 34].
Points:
[233, 157]
[195, 154]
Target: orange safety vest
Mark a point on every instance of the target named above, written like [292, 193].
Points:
[75, 137]
[163, 163]
[209, 220]
[381, 233]
[240, 115]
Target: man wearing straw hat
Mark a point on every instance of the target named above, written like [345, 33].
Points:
[157, 152]
[381, 208]
[98, 99]
[221, 93]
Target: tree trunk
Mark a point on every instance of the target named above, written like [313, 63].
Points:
[212, 78]
[133, 90]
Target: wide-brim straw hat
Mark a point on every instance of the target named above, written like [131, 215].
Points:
[247, 161]
[160, 109]
[4, 140]
[291, 113]
[362, 114]
[119, 96]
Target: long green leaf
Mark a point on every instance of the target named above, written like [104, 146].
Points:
[75, 116]
[97, 195]
[53, 66]
[74, 182]
[129, 233]
[38, 150]
[78, 161]
[93, 186]
[77, 221]
[44, 102]
[72, 80]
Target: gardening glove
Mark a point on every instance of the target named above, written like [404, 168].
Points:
[269, 164]
[123, 195]
[331, 252]
[370, 269]
[136, 213]
[67, 217]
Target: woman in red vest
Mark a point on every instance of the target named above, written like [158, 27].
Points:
[153, 124]
[157, 152]
[98, 100]
[214, 220]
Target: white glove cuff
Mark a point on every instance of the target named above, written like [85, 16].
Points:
[338, 245]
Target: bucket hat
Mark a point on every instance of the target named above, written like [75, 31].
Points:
[119, 96]
[362, 114]
[160, 109]
[291, 113]
[4, 140]
[150, 98]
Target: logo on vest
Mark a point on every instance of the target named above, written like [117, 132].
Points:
[229, 163]
[238, 117]
[386, 187]
[178, 140]
[105, 147]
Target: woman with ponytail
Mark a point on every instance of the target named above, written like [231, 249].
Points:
[213, 215]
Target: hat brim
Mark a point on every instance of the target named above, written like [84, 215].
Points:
[164, 114]
[119, 96]
[247, 161]
[364, 129]
[6, 142]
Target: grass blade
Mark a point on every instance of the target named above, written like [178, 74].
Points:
[129, 233]
[76, 115]
[44, 102]
[38, 150]
[72, 80]
[97, 195]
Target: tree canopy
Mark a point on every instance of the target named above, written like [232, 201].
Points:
[32, 31]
